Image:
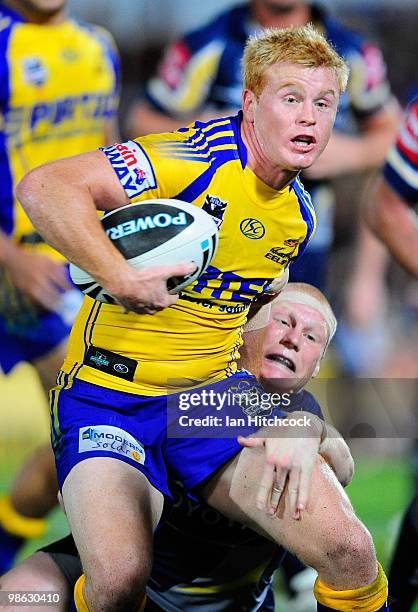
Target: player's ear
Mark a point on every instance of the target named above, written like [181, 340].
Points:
[248, 100]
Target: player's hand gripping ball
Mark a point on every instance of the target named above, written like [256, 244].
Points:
[154, 233]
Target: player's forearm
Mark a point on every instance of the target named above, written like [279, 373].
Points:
[404, 246]
[61, 207]
[378, 132]
[336, 453]
[346, 153]
[377, 135]
[396, 225]
[143, 119]
[111, 132]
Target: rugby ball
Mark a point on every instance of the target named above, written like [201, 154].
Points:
[155, 233]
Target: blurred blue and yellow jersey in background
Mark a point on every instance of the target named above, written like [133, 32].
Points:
[58, 88]
[261, 230]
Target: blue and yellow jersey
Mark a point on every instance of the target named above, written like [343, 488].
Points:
[401, 167]
[58, 87]
[261, 230]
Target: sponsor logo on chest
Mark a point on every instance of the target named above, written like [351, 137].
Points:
[283, 255]
[34, 71]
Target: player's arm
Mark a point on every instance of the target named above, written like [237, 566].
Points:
[395, 223]
[145, 119]
[289, 458]
[111, 131]
[41, 279]
[62, 198]
[336, 453]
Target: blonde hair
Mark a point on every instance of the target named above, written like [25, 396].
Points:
[303, 45]
[310, 295]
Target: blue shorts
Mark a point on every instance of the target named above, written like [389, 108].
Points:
[93, 421]
[28, 344]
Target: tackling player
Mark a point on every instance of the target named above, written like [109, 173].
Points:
[58, 96]
[292, 84]
[203, 561]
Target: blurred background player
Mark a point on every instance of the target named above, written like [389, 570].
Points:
[200, 75]
[391, 214]
[202, 560]
[58, 96]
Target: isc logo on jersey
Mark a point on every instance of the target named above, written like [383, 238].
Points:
[110, 439]
[132, 166]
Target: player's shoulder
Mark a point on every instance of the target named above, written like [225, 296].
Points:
[165, 164]
[346, 40]
[95, 32]
[8, 20]
[407, 140]
[401, 166]
[412, 105]
[195, 142]
[228, 24]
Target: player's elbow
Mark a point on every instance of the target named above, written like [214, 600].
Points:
[40, 185]
[140, 120]
[28, 187]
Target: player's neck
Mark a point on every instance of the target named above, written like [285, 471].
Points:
[271, 174]
[274, 16]
[34, 16]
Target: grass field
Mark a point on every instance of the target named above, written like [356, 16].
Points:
[380, 490]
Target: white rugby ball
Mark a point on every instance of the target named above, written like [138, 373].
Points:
[155, 233]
